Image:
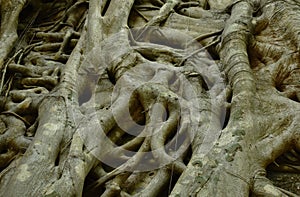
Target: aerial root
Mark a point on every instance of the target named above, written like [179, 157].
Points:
[127, 166]
[163, 14]
[157, 135]
[72, 17]
[155, 52]
[12, 138]
[46, 81]
[161, 133]
[61, 43]
[55, 36]
[187, 5]
[10, 10]
[64, 44]
[113, 187]
[24, 103]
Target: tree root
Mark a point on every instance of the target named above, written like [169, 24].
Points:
[164, 13]
[12, 139]
[10, 11]
[264, 187]
[134, 134]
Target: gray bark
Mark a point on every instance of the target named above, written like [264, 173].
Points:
[149, 98]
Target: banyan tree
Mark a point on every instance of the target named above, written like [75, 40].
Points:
[149, 98]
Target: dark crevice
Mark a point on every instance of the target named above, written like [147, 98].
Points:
[129, 135]
[3, 151]
[91, 192]
[107, 168]
[284, 172]
[57, 160]
[226, 111]
[204, 83]
[105, 8]
[136, 110]
[225, 116]
[188, 156]
[175, 142]
[206, 6]
[169, 187]
[294, 97]
[289, 94]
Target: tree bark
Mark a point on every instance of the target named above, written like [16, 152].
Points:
[149, 98]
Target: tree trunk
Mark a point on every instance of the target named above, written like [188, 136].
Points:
[149, 98]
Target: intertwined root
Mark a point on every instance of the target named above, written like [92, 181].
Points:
[147, 111]
[31, 73]
[13, 139]
[29, 78]
[10, 11]
[151, 111]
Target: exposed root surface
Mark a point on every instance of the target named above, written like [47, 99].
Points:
[149, 98]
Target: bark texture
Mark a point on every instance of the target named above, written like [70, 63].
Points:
[150, 98]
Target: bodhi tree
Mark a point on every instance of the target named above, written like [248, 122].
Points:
[149, 98]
